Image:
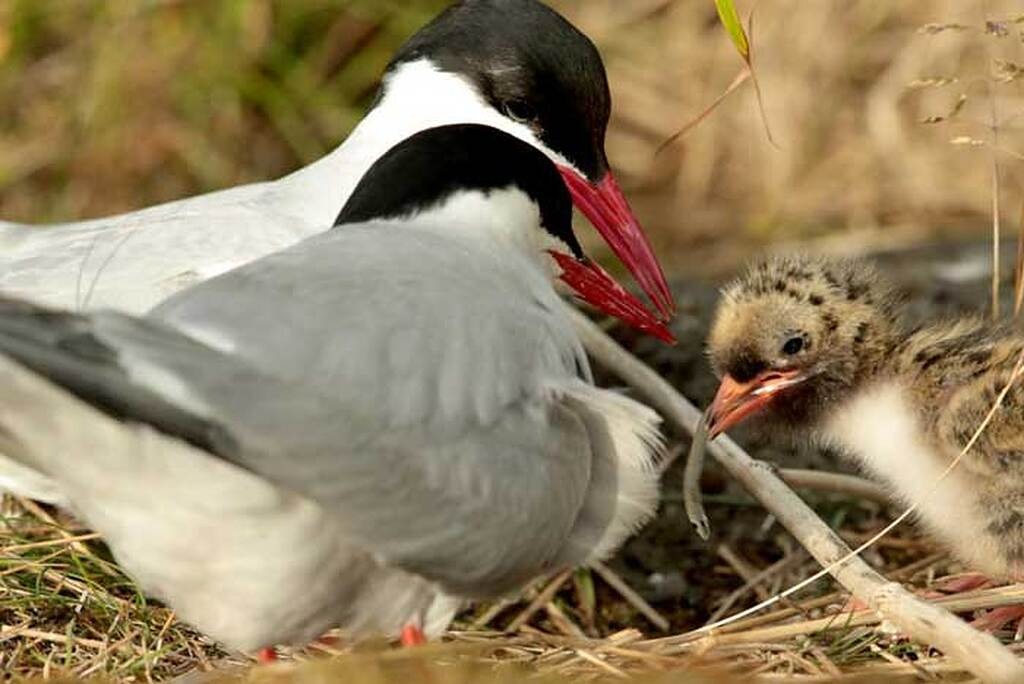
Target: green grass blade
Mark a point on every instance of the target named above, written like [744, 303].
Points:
[731, 21]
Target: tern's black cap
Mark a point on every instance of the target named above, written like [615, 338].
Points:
[529, 63]
[432, 165]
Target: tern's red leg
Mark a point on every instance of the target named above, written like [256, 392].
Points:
[412, 635]
[990, 621]
[266, 655]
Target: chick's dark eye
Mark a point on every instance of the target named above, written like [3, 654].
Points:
[519, 110]
[793, 346]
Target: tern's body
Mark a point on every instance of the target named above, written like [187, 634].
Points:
[514, 65]
[133, 261]
[432, 447]
[370, 444]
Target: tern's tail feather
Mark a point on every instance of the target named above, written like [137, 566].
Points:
[626, 447]
[198, 533]
[90, 356]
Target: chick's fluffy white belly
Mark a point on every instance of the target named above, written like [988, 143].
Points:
[879, 427]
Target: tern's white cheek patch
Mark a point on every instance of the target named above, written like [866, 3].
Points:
[496, 220]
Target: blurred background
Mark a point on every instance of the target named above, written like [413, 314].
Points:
[881, 112]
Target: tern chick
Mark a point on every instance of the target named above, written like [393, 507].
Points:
[817, 347]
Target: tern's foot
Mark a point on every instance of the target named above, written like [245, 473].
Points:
[412, 635]
[265, 656]
[997, 618]
[958, 584]
[987, 621]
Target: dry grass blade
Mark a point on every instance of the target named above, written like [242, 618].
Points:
[730, 19]
[562, 622]
[936, 28]
[740, 38]
[36, 510]
[17, 548]
[541, 600]
[1018, 271]
[757, 89]
[591, 658]
[957, 107]
[693, 123]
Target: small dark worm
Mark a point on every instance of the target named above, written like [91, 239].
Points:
[692, 500]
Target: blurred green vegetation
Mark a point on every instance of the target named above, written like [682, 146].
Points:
[148, 101]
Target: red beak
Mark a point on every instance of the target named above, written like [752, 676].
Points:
[735, 401]
[593, 284]
[607, 209]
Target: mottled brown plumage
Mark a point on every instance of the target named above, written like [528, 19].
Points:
[903, 403]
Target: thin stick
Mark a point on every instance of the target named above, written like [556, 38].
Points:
[541, 600]
[565, 625]
[746, 572]
[635, 599]
[979, 653]
[488, 615]
[753, 584]
[837, 483]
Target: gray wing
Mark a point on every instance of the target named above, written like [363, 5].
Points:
[405, 388]
[429, 328]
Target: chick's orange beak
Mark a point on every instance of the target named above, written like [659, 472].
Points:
[736, 401]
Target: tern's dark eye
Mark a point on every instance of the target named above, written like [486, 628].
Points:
[793, 346]
[520, 110]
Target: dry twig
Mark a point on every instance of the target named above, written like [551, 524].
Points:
[837, 483]
[633, 598]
